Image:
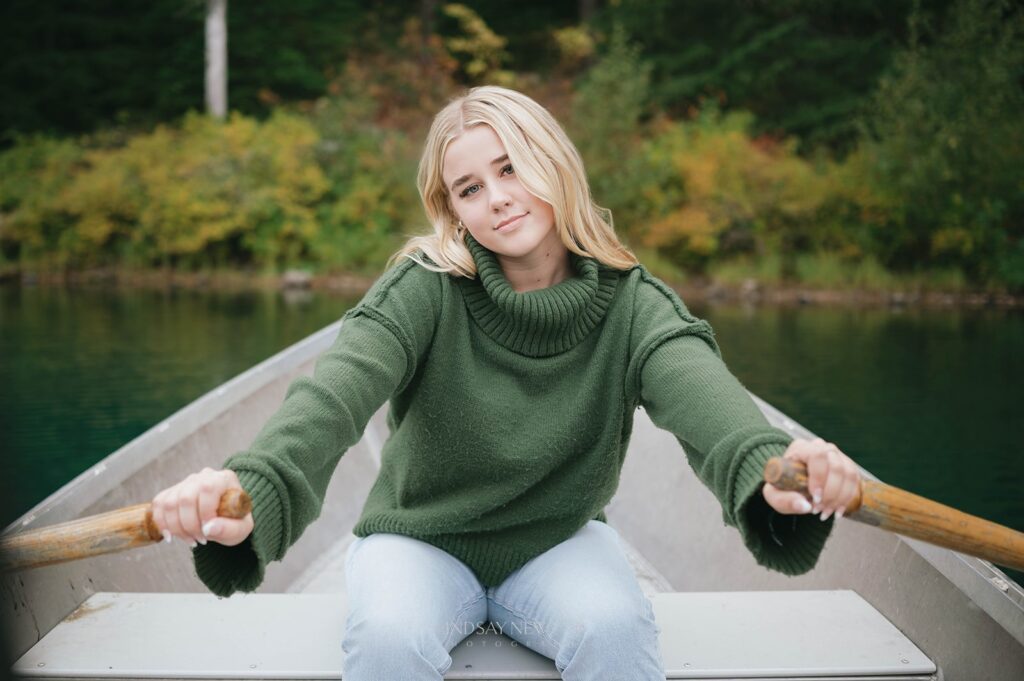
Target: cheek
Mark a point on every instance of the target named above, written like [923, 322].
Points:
[544, 211]
[473, 214]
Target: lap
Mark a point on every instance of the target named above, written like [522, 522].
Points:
[401, 584]
[585, 582]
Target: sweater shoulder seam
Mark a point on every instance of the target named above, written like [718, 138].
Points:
[695, 326]
[371, 309]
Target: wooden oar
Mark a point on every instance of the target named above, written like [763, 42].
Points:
[899, 511]
[125, 528]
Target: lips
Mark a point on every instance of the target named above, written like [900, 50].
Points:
[509, 221]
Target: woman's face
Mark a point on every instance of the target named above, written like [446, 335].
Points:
[489, 199]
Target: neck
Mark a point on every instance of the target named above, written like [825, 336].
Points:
[548, 265]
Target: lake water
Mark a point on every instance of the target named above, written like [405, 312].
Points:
[927, 400]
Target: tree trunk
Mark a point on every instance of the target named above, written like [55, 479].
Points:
[586, 10]
[428, 8]
[216, 58]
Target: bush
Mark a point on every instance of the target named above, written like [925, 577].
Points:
[945, 140]
[735, 194]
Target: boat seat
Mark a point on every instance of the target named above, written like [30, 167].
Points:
[704, 635]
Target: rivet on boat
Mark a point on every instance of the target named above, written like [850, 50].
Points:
[1000, 583]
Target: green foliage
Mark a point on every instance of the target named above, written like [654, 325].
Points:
[35, 172]
[608, 107]
[802, 67]
[696, 184]
[373, 199]
[70, 66]
[944, 140]
[332, 188]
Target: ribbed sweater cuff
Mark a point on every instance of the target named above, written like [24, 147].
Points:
[226, 569]
[790, 544]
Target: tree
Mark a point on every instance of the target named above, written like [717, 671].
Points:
[216, 58]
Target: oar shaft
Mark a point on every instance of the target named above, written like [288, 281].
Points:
[910, 515]
[119, 530]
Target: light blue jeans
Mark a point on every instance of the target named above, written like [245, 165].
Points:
[578, 603]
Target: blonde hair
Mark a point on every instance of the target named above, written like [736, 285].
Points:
[546, 162]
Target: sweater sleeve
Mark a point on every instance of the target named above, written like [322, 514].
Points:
[687, 389]
[287, 468]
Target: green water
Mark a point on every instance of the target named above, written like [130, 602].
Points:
[927, 400]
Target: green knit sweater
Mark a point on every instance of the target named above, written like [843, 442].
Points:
[510, 415]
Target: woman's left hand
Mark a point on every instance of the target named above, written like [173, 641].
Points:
[833, 480]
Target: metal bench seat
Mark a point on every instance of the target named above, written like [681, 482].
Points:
[711, 635]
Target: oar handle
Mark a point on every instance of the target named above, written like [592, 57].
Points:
[910, 515]
[125, 528]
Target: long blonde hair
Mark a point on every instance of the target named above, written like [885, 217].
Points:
[546, 162]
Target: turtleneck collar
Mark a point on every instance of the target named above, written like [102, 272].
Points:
[542, 322]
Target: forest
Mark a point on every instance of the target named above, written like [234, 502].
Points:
[868, 143]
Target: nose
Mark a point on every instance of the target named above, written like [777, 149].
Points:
[499, 199]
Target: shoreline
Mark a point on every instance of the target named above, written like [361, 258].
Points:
[701, 291]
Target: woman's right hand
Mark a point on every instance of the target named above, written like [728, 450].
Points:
[190, 507]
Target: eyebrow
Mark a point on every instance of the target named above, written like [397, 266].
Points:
[465, 178]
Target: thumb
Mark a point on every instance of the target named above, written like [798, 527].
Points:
[228, 531]
[792, 503]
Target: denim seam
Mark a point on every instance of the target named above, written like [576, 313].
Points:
[540, 628]
[462, 610]
[441, 669]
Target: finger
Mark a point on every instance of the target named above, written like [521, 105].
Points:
[211, 487]
[851, 488]
[188, 511]
[790, 503]
[229, 531]
[805, 451]
[171, 516]
[833, 484]
[798, 448]
[156, 507]
[817, 476]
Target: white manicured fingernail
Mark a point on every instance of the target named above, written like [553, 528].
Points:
[202, 540]
[840, 512]
[817, 496]
[825, 515]
[167, 536]
[803, 506]
[207, 527]
[192, 544]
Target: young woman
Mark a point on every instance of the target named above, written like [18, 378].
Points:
[514, 342]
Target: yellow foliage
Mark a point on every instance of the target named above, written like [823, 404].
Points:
[180, 189]
[575, 45]
[728, 180]
[484, 49]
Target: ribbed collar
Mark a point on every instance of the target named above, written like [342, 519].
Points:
[543, 322]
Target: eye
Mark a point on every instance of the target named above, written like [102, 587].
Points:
[466, 192]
